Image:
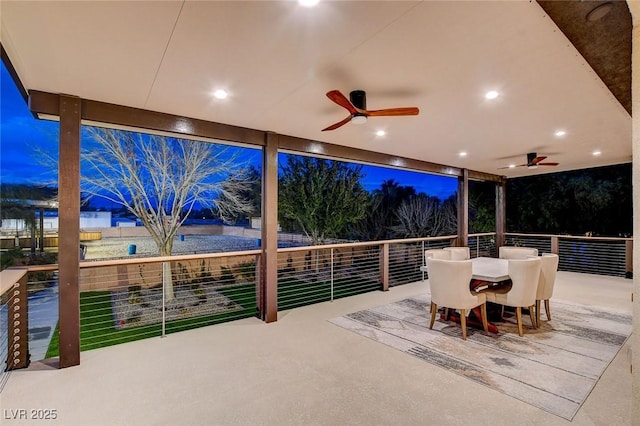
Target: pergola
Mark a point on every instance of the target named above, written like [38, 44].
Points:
[152, 66]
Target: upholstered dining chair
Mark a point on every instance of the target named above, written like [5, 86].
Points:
[449, 282]
[524, 274]
[548, 269]
[433, 254]
[508, 252]
[458, 253]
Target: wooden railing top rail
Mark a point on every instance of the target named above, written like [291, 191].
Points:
[366, 243]
[571, 237]
[9, 277]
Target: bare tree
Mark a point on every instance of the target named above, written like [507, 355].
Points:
[161, 179]
[424, 216]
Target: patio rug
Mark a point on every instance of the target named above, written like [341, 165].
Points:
[554, 367]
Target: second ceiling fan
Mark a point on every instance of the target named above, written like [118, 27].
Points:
[357, 107]
[533, 161]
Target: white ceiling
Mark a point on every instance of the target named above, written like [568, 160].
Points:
[278, 59]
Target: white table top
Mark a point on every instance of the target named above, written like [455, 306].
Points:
[490, 269]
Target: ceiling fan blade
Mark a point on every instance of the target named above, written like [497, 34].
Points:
[341, 100]
[511, 167]
[338, 124]
[548, 164]
[393, 112]
[537, 160]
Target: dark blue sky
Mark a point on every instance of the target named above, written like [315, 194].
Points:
[22, 138]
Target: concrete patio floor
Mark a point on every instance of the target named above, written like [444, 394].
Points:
[300, 370]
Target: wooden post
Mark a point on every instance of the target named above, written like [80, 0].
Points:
[501, 212]
[384, 266]
[41, 238]
[463, 209]
[629, 258]
[69, 231]
[555, 245]
[268, 294]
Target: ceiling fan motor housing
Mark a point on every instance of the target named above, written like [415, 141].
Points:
[359, 99]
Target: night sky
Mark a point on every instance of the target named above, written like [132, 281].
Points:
[23, 139]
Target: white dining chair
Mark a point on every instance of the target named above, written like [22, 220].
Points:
[509, 252]
[524, 275]
[449, 283]
[458, 253]
[435, 254]
[546, 282]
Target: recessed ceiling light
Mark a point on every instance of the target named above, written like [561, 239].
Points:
[220, 94]
[491, 94]
[560, 133]
[596, 153]
[512, 166]
[381, 133]
[462, 153]
[308, 3]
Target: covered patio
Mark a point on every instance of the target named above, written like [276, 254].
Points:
[393, 48]
[303, 370]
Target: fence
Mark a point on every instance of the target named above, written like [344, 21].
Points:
[590, 255]
[135, 298]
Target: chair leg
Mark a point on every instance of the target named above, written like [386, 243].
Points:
[434, 308]
[463, 323]
[547, 309]
[519, 318]
[483, 311]
[538, 313]
[533, 317]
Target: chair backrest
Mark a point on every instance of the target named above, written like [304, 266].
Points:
[506, 252]
[525, 275]
[436, 254]
[548, 269]
[458, 253]
[449, 282]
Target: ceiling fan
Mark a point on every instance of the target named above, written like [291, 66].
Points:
[533, 161]
[357, 107]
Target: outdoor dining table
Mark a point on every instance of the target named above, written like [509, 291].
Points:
[490, 269]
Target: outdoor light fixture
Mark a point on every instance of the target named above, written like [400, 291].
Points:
[359, 119]
[308, 3]
[492, 94]
[220, 94]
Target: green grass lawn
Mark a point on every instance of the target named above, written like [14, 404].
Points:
[293, 293]
[97, 328]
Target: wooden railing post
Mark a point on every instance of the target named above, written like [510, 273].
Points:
[384, 267]
[629, 258]
[555, 247]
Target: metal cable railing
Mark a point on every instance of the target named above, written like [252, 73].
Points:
[130, 299]
[43, 312]
[601, 257]
[482, 245]
[311, 275]
[541, 242]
